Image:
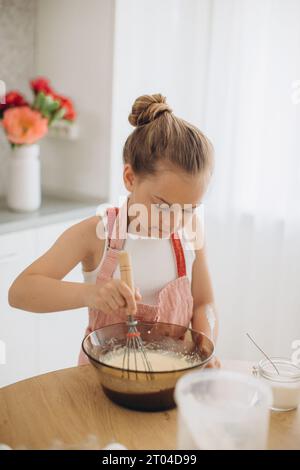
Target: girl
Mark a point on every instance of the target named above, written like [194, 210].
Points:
[167, 162]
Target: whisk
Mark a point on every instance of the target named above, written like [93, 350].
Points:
[134, 346]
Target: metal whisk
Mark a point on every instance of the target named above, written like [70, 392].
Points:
[134, 346]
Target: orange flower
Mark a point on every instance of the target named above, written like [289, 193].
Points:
[24, 125]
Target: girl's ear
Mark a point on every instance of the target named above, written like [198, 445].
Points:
[128, 177]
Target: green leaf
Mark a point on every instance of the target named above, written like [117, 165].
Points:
[53, 106]
[39, 100]
[58, 115]
[48, 101]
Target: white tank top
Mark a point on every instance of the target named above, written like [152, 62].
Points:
[153, 264]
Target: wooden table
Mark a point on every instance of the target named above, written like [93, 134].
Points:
[68, 405]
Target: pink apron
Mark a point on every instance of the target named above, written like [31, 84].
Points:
[175, 300]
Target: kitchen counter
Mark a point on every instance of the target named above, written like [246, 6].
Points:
[53, 210]
[63, 408]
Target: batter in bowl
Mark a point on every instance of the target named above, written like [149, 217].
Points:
[160, 360]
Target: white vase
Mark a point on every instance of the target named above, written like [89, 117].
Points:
[23, 186]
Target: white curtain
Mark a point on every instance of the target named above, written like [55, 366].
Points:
[253, 209]
[232, 67]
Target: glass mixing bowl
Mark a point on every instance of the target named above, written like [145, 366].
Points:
[142, 390]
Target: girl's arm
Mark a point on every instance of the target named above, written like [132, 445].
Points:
[39, 288]
[204, 311]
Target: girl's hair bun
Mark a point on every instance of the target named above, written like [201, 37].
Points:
[146, 108]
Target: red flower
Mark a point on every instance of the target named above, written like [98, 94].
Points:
[13, 99]
[67, 104]
[41, 84]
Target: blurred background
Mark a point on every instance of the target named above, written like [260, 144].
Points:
[232, 68]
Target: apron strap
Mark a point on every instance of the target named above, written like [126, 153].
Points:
[117, 227]
[179, 254]
[112, 213]
[111, 259]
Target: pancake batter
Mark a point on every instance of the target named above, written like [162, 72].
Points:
[160, 360]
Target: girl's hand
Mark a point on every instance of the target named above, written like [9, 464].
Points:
[111, 296]
[215, 363]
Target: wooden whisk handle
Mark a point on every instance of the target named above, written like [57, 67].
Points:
[126, 269]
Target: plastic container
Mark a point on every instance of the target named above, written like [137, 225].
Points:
[222, 410]
[285, 386]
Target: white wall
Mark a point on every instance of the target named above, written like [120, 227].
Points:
[155, 53]
[74, 48]
[17, 36]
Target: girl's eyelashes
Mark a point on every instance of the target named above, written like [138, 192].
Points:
[166, 208]
[189, 210]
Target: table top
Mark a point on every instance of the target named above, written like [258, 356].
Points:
[68, 409]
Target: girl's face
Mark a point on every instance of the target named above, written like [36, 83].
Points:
[165, 202]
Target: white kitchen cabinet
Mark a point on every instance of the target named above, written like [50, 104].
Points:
[60, 333]
[35, 343]
[18, 329]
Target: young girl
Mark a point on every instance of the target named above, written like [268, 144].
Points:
[167, 161]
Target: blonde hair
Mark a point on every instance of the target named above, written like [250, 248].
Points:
[162, 136]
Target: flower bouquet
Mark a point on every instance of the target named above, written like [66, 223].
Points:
[25, 124]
